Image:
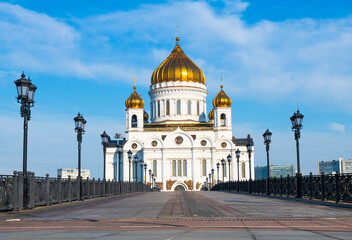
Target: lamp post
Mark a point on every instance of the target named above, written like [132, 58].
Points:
[212, 177]
[145, 173]
[296, 121]
[80, 123]
[25, 95]
[150, 176]
[218, 167]
[267, 141]
[229, 159]
[209, 179]
[104, 141]
[238, 155]
[129, 154]
[141, 163]
[249, 150]
[223, 173]
[135, 163]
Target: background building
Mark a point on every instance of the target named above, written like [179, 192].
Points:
[331, 167]
[275, 171]
[73, 172]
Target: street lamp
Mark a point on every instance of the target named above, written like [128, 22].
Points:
[135, 163]
[129, 154]
[296, 121]
[212, 177]
[25, 95]
[80, 123]
[249, 150]
[238, 155]
[223, 173]
[229, 158]
[209, 179]
[218, 167]
[267, 141]
[104, 141]
[150, 176]
[145, 173]
[141, 163]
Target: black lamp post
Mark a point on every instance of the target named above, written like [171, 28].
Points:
[267, 141]
[104, 141]
[238, 155]
[229, 159]
[212, 177]
[249, 150]
[135, 162]
[129, 154]
[141, 164]
[80, 123]
[209, 179]
[150, 176]
[25, 95]
[296, 121]
[218, 167]
[223, 173]
[145, 173]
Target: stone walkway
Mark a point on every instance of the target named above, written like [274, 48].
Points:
[179, 215]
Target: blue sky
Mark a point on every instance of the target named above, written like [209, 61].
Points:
[275, 57]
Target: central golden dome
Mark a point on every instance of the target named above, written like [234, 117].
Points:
[177, 67]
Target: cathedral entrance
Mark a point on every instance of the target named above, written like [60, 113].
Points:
[179, 188]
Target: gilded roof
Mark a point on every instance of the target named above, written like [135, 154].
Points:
[222, 100]
[177, 67]
[211, 114]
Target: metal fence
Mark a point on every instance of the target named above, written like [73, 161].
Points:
[17, 192]
[322, 187]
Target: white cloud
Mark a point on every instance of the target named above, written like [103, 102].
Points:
[338, 127]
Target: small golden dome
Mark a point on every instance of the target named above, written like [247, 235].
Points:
[177, 67]
[134, 100]
[211, 114]
[145, 116]
[222, 100]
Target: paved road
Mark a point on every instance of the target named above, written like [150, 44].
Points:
[179, 215]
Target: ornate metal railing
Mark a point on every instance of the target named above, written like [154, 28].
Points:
[17, 192]
[322, 187]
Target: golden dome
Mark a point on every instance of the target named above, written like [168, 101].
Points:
[134, 100]
[211, 114]
[145, 116]
[177, 67]
[222, 100]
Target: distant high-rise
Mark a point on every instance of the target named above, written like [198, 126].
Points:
[73, 172]
[331, 167]
[275, 171]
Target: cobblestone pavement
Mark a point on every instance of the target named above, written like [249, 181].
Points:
[179, 215]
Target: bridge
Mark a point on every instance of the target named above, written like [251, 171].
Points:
[128, 213]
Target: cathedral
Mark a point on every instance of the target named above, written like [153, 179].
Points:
[178, 146]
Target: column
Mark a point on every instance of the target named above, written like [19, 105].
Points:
[193, 170]
[163, 169]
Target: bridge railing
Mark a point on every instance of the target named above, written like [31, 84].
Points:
[17, 192]
[334, 187]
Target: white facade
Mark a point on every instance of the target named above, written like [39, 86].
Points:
[179, 146]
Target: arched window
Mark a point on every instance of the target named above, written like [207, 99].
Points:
[204, 167]
[158, 108]
[243, 170]
[222, 120]
[184, 167]
[178, 107]
[174, 168]
[134, 121]
[179, 168]
[167, 107]
[155, 169]
[189, 107]
[198, 108]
